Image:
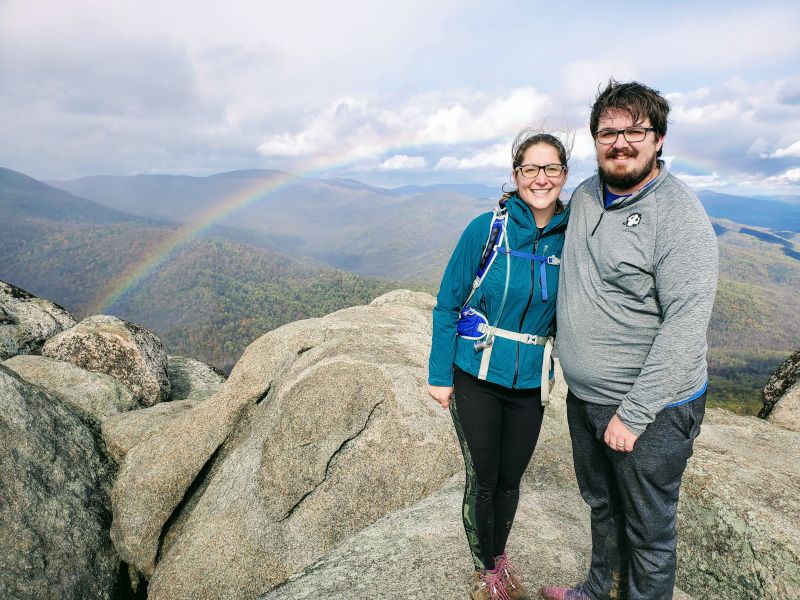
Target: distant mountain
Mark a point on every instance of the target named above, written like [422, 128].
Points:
[343, 223]
[24, 197]
[258, 260]
[754, 325]
[168, 197]
[758, 211]
[473, 190]
[210, 299]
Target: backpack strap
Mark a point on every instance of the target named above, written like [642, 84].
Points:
[542, 260]
[495, 240]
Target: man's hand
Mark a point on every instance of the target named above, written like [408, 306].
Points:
[441, 394]
[618, 437]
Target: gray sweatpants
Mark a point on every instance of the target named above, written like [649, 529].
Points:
[633, 497]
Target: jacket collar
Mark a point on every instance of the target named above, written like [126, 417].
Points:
[521, 214]
[637, 195]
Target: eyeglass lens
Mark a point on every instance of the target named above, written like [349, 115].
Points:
[631, 134]
[531, 171]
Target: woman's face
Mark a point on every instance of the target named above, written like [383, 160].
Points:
[541, 192]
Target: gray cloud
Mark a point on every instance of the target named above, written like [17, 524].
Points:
[342, 89]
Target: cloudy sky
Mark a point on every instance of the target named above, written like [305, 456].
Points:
[391, 93]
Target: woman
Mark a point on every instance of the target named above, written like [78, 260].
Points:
[490, 344]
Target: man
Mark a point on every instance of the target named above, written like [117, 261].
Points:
[638, 278]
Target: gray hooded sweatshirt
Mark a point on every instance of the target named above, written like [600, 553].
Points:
[635, 295]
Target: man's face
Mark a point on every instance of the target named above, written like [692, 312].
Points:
[624, 164]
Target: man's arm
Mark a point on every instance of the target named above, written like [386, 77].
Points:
[686, 263]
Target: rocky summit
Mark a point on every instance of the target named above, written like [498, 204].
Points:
[319, 469]
[781, 395]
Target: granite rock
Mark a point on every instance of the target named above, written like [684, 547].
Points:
[55, 508]
[26, 321]
[131, 354]
[93, 397]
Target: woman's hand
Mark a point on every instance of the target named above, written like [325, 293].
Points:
[441, 394]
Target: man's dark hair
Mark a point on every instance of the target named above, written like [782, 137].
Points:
[636, 99]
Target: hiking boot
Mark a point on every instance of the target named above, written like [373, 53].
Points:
[513, 578]
[489, 585]
[552, 592]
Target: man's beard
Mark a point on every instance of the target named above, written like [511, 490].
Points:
[626, 179]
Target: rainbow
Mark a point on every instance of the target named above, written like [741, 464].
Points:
[138, 271]
[135, 273]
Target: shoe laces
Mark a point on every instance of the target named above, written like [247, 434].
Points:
[503, 565]
[494, 582]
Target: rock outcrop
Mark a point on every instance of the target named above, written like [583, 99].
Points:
[192, 379]
[786, 413]
[739, 517]
[738, 527]
[320, 468]
[93, 397]
[55, 508]
[27, 321]
[326, 428]
[124, 431]
[420, 552]
[132, 355]
[781, 395]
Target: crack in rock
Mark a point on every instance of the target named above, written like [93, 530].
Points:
[336, 452]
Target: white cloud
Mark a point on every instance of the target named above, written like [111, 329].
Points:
[791, 175]
[401, 162]
[356, 128]
[497, 156]
[792, 151]
[703, 181]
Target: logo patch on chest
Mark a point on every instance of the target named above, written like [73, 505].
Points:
[633, 220]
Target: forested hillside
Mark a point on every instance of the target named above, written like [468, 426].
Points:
[208, 300]
[754, 326]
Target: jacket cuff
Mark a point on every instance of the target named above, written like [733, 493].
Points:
[440, 381]
[635, 428]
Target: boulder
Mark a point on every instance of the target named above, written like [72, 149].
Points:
[192, 379]
[322, 421]
[26, 321]
[123, 431]
[785, 377]
[739, 517]
[55, 508]
[132, 355]
[738, 522]
[158, 471]
[421, 552]
[93, 397]
[786, 412]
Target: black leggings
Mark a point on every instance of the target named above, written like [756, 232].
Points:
[498, 428]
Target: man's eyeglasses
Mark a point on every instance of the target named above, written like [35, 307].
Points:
[631, 134]
[531, 171]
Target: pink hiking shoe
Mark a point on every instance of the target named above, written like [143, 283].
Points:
[513, 578]
[552, 592]
[489, 585]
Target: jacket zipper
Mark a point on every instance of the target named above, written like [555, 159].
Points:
[598, 222]
[527, 306]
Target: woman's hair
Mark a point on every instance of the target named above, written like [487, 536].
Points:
[530, 137]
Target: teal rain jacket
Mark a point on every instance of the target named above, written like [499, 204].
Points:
[513, 364]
